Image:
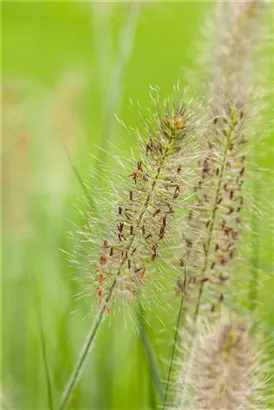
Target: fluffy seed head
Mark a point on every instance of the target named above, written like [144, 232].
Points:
[225, 370]
[140, 224]
[211, 237]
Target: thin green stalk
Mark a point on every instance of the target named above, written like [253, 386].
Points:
[174, 348]
[149, 353]
[75, 170]
[81, 360]
[45, 362]
[213, 220]
[37, 304]
[116, 87]
[253, 285]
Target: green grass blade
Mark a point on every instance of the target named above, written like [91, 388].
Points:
[45, 362]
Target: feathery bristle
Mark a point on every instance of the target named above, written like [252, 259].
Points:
[142, 215]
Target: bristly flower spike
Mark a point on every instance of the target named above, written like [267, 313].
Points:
[225, 369]
[215, 219]
[154, 189]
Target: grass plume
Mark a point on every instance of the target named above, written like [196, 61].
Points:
[142, 216]
[225, 368]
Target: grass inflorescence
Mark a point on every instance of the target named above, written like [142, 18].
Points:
[142, 218]
[226, 369]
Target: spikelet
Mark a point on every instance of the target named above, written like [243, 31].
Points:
[212, 235]
[225, 369]
[153, 190]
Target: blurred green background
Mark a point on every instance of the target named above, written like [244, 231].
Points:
[66, 68]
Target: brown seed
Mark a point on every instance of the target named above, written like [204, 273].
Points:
[120, 227]
[143, 229]
[154, 252]
[188, 242]
[105, 245]
[139, 166]
[131, 229]
[162, 232]
[223, 278]
[180, 123]
[156, 212]
[103, 259]
[222, 261]
[131, 195]
[176, 192]
[212, 265]
[100, 294]
[129, 263]
[120, 210]
[171, 208]
[111, 252]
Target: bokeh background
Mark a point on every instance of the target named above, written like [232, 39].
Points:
[67, 67]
